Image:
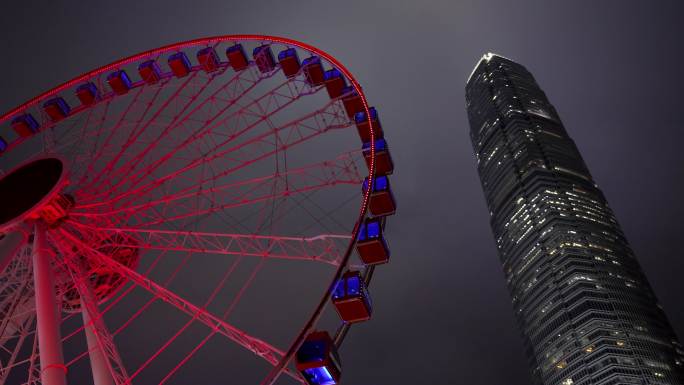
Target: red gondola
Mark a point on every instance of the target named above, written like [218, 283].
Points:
[25, 125]
[119, 81]
[289, 62]
[351, 101]
[383, 159]
[57, 109]
[351, 298]
[313, 70]
[371, 244]
[179, 64]
[208, 59]
[263, 57]
[87, 93]
[237, 57]
[362, 124]
[149, 71]
[318, 361]
[381, 198]
[334, 83]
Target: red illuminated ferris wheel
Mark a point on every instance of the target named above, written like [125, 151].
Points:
[182, 211]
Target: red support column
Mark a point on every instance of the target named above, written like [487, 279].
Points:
[53, 371]
[98, 360]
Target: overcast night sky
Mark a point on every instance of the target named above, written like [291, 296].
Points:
[612, 69]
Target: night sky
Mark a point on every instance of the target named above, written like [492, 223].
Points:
[613, 70]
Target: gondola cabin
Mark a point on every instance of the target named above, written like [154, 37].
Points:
[149, 71]
[3, 144]
[383, 159]
[237, 57]
[334, 82]
[351, 101]
[25, 125]
[351, 298]
[362, 124]
[318, 361]
[120, 82]
[208, 59]
[289, 62]
[313, 70]
[263, 57]
[57, 109]
[371, 245]
[381, 198]
[179, 64]
[87, 93]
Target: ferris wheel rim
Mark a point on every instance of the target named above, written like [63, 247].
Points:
[344, 262]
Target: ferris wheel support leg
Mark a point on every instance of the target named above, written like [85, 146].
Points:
[98, 360]
[53, 371]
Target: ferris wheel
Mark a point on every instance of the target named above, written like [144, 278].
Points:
[190, 210]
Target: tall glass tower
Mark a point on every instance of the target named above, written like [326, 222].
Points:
[583, 304]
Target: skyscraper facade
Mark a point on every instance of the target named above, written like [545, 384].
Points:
[582, 302]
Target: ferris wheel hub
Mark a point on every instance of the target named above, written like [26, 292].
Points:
[104, 281]
[32, 192]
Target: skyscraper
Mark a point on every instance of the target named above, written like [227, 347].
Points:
[582, 302]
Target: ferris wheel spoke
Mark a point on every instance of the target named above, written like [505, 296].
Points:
[143, 124]
[58, 141]
[85, 144]
[255, 345]
[24, 333]
[207, 111]
[215, 292]
[253, 150]
[17, 310]
[224, 316]
[327, 248]
[121, 296]
[16, 307]
[231, 127]
[133, 113]
[195, 201]
[32, 360]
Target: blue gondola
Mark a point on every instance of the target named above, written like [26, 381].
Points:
[57, 109]
[237, 57]
[149, 71]
[179, 64]
[351, 298]
[289, 62]
[318, 361]
[3, 144]
[334, 82]
[383, 159]
[313, 70]
[208, 59]
[25, 125]
[382, 201]
[120, 82]
[87, 93]
[371, 244]
[263, 57]
[362, 124]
